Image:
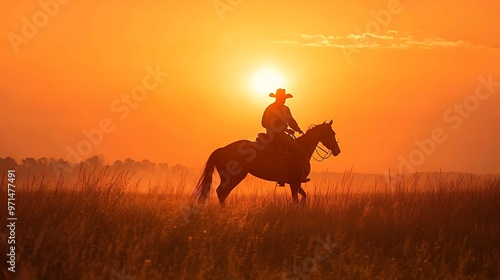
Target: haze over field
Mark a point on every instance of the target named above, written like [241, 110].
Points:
[409, 84]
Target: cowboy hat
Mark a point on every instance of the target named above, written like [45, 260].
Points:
[281, 92]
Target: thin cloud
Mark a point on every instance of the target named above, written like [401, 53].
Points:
[391, 39]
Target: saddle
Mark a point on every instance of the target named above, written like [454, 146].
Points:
[266, 141]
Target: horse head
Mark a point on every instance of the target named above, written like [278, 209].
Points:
[327, 137]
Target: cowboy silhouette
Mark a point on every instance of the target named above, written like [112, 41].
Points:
[276, 120]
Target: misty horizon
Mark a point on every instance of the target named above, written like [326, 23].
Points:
[58, 164]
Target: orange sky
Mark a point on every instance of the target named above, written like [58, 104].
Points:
[388, 72]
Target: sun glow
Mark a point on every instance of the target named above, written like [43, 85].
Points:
[267, 80]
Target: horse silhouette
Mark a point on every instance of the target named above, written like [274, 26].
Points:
[236, 160]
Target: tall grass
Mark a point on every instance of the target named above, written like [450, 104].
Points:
[102, 227]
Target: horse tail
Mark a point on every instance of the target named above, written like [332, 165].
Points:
[202, 190]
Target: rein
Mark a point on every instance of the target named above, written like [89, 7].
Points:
[321, 158]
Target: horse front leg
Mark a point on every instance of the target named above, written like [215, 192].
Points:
[294, 187]
[304, 196]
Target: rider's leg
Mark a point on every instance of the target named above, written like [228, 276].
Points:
[295, 148]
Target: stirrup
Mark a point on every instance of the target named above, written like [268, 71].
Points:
[306, 180]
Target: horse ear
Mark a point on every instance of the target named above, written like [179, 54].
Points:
[330, 123]
[324, 122]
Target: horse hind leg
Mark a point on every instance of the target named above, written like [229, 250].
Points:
[227, 184]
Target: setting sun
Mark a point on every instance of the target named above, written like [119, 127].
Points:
[267, 80]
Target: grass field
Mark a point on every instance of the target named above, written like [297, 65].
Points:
[103, 228]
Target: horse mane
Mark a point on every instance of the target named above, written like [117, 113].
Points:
[312, 126]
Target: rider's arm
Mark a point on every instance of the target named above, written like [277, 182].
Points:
[291, 121]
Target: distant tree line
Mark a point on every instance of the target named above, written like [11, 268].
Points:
[53, 166]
